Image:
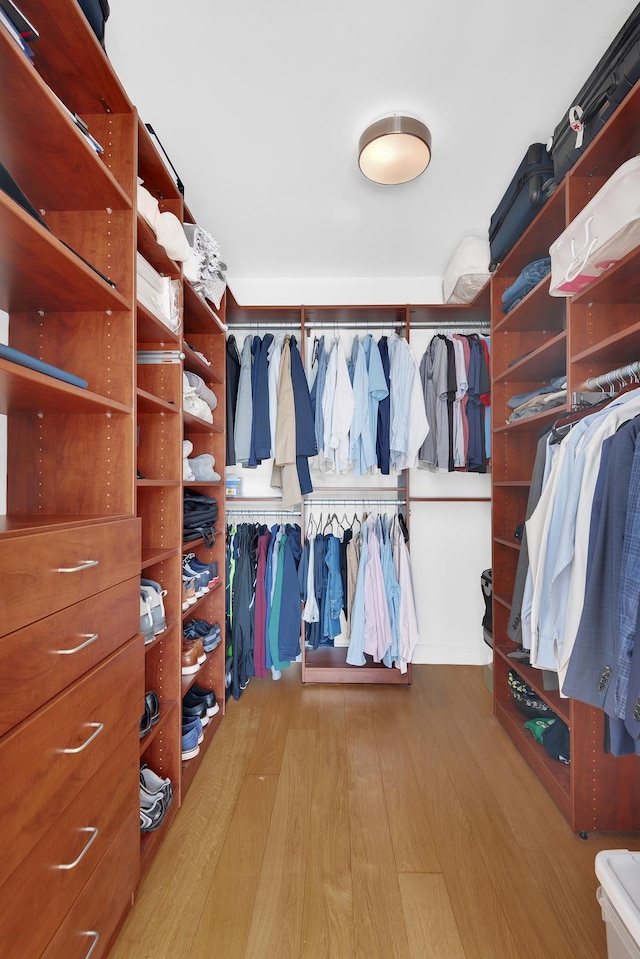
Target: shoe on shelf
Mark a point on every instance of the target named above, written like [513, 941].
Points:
[190, 747]
[155, 784]
[190, 664]
[146, 618]
[199, 648]
[152, 811]
[188, 592]
[152, 705]
[207, 696]
[198, 566]
[155, 594]
[195, 708]
[201, 576]
[193, 722]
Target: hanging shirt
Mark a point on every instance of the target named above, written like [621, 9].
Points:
[409, 425]
[363, 453]
[338, 406]
[384, 412]
[232, 380]
[377, 623]
[244, 406]
[407, 618]
[377, 389]
[273, 378]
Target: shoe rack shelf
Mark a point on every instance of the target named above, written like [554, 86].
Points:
[71, 657]
[583, 336]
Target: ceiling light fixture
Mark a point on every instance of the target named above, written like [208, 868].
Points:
[395, 149]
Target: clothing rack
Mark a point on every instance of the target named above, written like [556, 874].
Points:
[363, 327]
[631, 370]
[262, 512]
[452, 326]
[356, 501]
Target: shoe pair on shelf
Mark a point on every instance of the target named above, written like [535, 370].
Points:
[152, 615]
[156, 794]
[198, 705]
[151, 713]
[204, 574]
[201, 629]
[193, 656]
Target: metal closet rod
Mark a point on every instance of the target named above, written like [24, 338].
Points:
[263, 512]
[605, 379]
[356, 501]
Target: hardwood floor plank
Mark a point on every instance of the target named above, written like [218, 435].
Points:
[377, 906]
[169, 902]
[474, 898]
[517, 885]
[227, 910]
[413, 845]
[428, 917]
[327, 924]
[277, 917]
[282, 697]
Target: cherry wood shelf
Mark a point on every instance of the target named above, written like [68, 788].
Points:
[25, 390]
[200, 316]
[531, 424]
[193, 424]
[42, 172]
[153, 253]
[541, 365]
[37, 272]
[148, 403]
[150, 557]
[537, 311]
[151, 168]
[193, 363]
[152, 331]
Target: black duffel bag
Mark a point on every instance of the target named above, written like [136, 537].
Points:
[97, 13]
[199, 517]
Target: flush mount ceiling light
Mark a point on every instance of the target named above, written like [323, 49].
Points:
[395, 149]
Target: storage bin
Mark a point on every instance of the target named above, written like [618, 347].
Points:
[603, 232]
[233, 487]
[618, 871]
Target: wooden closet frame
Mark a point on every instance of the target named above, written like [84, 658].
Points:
[328, 664]
[542, 337]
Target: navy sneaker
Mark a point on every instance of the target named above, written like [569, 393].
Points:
[190, 747]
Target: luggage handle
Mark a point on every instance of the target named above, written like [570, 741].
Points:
[580, 260]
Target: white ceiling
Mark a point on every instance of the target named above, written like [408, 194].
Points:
[260, 106]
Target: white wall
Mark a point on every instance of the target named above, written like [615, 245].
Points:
[348, 291]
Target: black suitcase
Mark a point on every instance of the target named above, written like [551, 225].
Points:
[97, 13]
[525, 196]
[608, 85]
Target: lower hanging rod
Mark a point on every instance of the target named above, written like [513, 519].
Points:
[262, 512]
[631, 370]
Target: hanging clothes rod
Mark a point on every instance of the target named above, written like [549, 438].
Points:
[355, 501]
[631, 370]
[362, 327]
[263, 325]
[451, 326]
[263, 512]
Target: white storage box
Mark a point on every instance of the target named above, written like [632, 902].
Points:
[603, 232]
[468, 270]
[619, 896]
[159, 294]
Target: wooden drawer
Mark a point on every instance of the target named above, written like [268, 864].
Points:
[45, 572]
[94, 916]
[47, 760]
[39, 661]
[39, 893]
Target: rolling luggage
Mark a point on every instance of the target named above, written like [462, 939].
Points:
[525, 196]
[97, 13]
[608, 85]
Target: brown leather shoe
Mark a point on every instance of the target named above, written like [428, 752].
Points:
[190, 662]
[198, 645]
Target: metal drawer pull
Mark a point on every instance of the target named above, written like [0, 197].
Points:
[96, 937]
[69, 751]
[72, 865]
[91, 638]
[85, 564]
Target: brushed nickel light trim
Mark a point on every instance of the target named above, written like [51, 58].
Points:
[395, 149]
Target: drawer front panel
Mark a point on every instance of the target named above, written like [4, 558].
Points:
[38, 894]
[39, 661]
[46, 572]
[94, 916]
[46, 761]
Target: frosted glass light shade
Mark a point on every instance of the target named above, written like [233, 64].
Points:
[395, 149]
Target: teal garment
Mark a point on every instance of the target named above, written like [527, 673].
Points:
[274, 617]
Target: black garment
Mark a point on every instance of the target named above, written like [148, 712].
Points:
[256, 345]
[347, 536]
[261, 427]
[233, 379]
[305, 425]
[383, 441]
[245, 546]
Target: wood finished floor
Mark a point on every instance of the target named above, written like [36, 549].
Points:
[368, 822]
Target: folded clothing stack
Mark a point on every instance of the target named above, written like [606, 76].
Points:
[204, 269]
[529, 277]
[160, 294]
[194, 404]
[546, 397]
